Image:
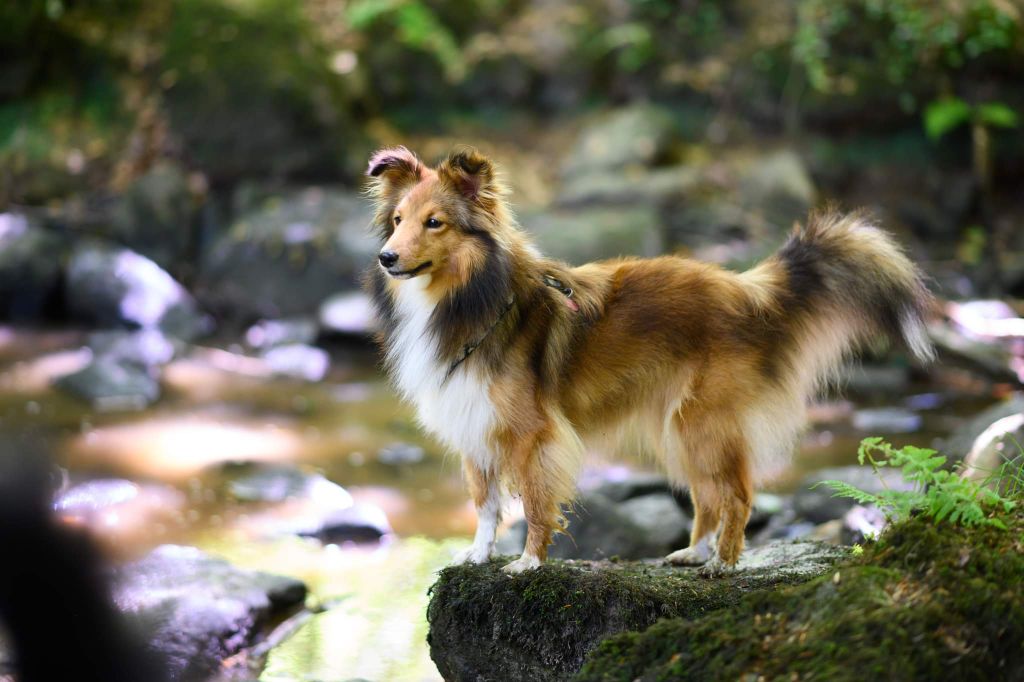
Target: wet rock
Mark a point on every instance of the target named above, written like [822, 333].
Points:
[659, 518]
[635, 186]
[155, 215]
[400, 454]
[303, 503]
[997, 452]
[109, 385]
[143, 347]
[634, 484]
[992, 359]
[251, 482]
[886, 420]
[286, 257]
[541, 625]
[115, 287]
[119, 511]
[875, 380]
[267, 334]
[298, 361]
[599, 528]
[30, 268]
[818, 505]
[638, 135]
[595, 233]
[362, 522]
[348, 313]
[196, 610]
[962, 440]
[766, 507]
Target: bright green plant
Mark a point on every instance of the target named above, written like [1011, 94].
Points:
[940, 493]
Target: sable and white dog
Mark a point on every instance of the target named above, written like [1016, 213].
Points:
[513, 359]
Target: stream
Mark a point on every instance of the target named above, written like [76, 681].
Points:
[219, 407]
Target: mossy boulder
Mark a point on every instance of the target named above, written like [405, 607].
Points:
[929, 601]
[541, 625]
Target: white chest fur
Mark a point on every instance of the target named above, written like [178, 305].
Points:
[458, 411]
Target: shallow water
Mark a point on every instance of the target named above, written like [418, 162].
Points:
[220, 406]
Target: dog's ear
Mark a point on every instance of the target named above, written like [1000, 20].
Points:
[394, 168]
[470, 173]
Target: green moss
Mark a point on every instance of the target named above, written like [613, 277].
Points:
[930, 601]
[542, 624]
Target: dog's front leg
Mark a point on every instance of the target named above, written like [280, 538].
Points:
[486, 492]
[541, 507]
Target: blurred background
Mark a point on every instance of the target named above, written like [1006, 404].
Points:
[182, 235]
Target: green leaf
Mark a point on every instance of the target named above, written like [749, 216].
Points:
[997, 114]
[943, 115]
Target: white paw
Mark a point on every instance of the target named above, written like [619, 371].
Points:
[691, 556]
[716, 568]
[474, 554]
[526, 562]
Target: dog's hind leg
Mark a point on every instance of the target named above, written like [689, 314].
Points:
[486, 491]
[707, 514]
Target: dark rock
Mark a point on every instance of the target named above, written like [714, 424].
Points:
[659, 518]
[30, 268]
[115, 287]
[287, 257]
[634, 485]
[886, 420]
[596, 233]
[110, 385]
[400, 454]
[638, 135]
[959, 444]
[298, 361]
[541, 625]
[196, 610]
[155, 215]
[267, 334]
[818, 504]
[875, 380]
[599, 528]
[766, 507]
[636, 186]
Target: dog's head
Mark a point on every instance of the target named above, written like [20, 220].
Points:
[439, 220]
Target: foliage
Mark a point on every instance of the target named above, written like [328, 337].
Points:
[943, 115]
[939, 493]
[839, 43]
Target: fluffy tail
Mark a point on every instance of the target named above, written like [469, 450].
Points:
[839, 283]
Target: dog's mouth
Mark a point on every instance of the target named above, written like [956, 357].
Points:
[408, 274]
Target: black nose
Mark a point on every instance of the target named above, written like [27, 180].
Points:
[388, 258]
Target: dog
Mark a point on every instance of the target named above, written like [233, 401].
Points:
[515, 361]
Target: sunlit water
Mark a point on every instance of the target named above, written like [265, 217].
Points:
[219, 406]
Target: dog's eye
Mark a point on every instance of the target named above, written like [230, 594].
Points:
[433, 222]
[398, 219]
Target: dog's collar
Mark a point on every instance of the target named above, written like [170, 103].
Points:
[565, 290]
[468, 349]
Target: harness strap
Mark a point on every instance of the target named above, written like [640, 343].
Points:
[468, 349]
